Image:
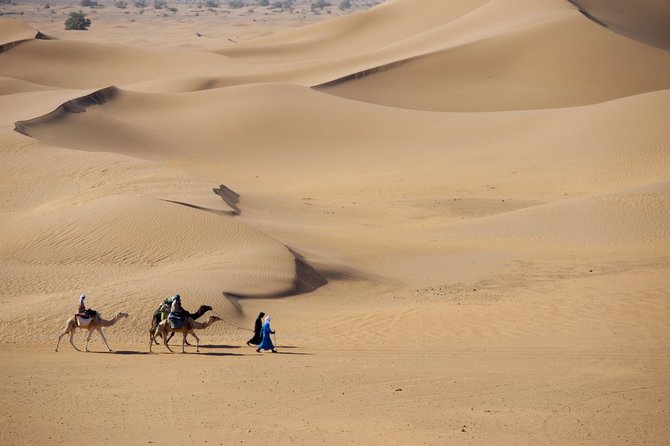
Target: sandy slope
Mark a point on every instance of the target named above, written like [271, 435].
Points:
[455, 211]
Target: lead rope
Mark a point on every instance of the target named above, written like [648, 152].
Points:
[231, 322]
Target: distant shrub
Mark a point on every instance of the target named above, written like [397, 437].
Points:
[318, 5]
[282, 4]
[159, 4]
[172, 9]
[263, 2]
[344, 4]
[140, 3]
[212, 3]
[121, 4]
[78, 21]
[236, 4]
[89, 3]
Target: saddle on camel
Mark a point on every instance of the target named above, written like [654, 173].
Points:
[170, 310]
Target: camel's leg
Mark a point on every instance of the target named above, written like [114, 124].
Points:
[71, 341]
[152, 338]
[154, 325]
[165, 342]
[197, 341]
[183, 343]
[104, 339]
[88, 338]
[60, 337]
[154, 335]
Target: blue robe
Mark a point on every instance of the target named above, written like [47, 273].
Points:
[266, 343]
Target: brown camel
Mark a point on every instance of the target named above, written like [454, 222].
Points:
[75, 322]
[164, 328]
[156, 319]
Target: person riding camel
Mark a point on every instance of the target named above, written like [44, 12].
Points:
[82, 304]
[166, 306]
[84, 314]
[177, 316]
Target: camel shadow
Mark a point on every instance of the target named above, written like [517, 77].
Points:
[128, 352]
[292, 353]
[120, 352]
[214, 354]
[219, 346]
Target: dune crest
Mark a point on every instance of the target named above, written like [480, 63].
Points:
[13, 32]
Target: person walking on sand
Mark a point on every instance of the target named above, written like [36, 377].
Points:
[266, 331]
[258, 337]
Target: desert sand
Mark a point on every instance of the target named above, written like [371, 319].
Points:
[457, 213]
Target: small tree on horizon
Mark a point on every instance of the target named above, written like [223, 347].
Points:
[319, 5]
[77, 21]
[345, 4]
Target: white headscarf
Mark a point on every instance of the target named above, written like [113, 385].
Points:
[267, 319]
[81, 299]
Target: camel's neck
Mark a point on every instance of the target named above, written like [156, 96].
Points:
[110, 322]
[201, 325]
[201, 311]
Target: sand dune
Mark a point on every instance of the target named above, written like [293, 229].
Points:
[534, 77]
[455, 212]
[627, 220]
[69, 64]
[227, 127]
[13, 31]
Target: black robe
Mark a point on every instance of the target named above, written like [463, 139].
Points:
[258, 337]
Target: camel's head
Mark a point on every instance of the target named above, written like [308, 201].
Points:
[205, 308]
[122, 315]
[214, 318]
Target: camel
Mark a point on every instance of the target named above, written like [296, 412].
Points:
[156, 319]
[164, 328]
[95, 324]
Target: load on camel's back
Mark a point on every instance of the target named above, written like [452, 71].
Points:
[163, 312]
